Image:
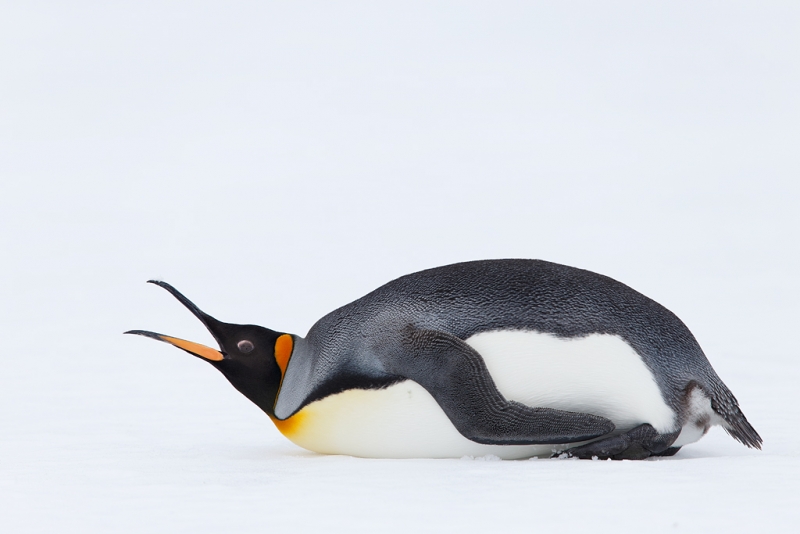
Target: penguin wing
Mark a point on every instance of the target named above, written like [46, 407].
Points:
[457, 377]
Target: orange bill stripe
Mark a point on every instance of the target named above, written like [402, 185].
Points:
[194, 348]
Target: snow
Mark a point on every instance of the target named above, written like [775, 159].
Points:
[275, 161]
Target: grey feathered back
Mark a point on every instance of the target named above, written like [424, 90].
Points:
[467, 298]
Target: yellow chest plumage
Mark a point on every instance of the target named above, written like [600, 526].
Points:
[401, 421]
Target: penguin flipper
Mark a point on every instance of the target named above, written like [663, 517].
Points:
[457, 378]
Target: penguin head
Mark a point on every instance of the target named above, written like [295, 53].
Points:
[251, 357]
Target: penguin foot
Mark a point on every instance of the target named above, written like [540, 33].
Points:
[637, 444]
[671, 451]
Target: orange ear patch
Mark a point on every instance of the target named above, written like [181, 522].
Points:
[283, 351]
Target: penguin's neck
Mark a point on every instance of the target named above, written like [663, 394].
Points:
[260, 384]
[297, 379]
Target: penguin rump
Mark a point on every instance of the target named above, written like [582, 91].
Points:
[516, 358]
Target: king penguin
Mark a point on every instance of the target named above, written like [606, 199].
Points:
[514, 358]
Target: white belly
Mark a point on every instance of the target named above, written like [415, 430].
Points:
[598, 374]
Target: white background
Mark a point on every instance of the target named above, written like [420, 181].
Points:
[277, 160]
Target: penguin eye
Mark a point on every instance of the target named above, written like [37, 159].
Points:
[245, 346]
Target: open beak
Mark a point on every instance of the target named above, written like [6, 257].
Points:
[195, 349]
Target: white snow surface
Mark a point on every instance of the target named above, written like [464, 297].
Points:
[275, 161]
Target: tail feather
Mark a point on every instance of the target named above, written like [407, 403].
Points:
[726, 406]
